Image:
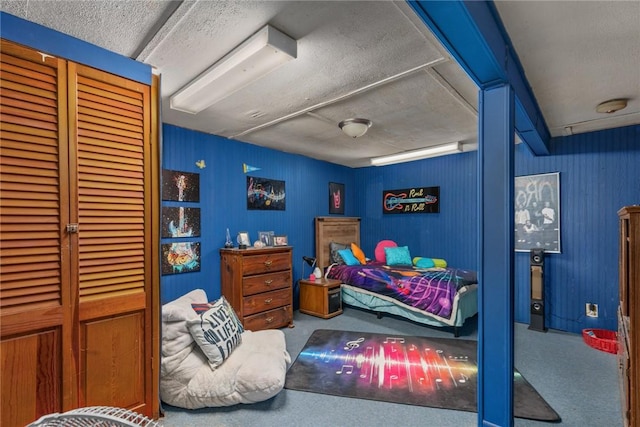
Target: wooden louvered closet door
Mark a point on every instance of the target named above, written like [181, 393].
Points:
[76, 318]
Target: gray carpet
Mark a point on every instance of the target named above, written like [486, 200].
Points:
[577, 380]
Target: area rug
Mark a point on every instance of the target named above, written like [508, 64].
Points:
[435, 372]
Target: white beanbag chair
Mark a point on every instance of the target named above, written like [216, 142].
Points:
[253, 372]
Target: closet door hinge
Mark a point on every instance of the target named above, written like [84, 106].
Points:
[72, 228]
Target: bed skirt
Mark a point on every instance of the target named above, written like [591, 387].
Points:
[465, 305]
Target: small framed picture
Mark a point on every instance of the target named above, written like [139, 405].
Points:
[280, 240]
[265, 238]
[243, 239]
[336, 198]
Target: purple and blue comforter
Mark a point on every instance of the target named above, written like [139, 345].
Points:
[430, 290]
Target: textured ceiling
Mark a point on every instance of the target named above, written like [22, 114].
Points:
[577, 55]
[363, 59]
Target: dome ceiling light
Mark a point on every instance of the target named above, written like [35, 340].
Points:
[355, 127]
[611, 106]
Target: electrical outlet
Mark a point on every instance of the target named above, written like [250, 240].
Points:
[591, 309]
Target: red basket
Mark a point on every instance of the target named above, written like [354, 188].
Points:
[601, 339]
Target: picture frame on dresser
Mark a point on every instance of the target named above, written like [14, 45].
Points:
[243, 238]
[265, 237]
[280, 240]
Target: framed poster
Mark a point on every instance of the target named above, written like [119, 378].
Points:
[336, 198]
[183, 257]
[180, 186]
[537, 212]
[180, 222]
[411, 200]
[265, 194]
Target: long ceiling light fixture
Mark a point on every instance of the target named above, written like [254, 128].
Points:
[438, 150]
[257, 56]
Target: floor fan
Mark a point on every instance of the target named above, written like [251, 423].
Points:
[103, 416]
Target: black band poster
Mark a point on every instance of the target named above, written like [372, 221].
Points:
[411, 200]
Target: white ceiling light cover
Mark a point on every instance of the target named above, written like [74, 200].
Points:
[257, 56]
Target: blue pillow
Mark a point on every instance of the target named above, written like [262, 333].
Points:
[348, 257]
[398, 256]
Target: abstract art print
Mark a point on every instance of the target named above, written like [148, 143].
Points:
[180, 186]
[265, 194]
[537, 212]
[336, 198]
[180, 257]
[180, 222]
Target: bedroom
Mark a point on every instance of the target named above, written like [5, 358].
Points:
[575, 276]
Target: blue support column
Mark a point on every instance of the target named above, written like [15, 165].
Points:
[496, 259]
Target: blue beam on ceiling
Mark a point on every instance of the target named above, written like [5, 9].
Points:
[473, 34]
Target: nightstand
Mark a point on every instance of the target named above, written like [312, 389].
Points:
[321, 298]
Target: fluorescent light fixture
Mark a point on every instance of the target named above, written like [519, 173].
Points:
[438, 150]
[257, 56]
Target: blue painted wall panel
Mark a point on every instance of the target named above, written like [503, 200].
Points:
[223, 201]
[450, 234]
[598, 175]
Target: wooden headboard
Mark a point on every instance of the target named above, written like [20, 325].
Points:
[334, 229]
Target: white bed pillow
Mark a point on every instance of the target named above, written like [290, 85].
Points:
[217, 332]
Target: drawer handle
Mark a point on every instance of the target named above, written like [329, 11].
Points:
[268, 263]
[268, 300]
[269, 319]
[268, 282]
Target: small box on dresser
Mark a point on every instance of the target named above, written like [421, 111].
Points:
[258, 284]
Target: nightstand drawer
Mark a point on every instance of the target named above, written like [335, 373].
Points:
[264, 263]
[266, 282]
[265, 301]
[271, 319]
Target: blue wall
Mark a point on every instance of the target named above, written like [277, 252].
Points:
[223, 201]
[598, 175]
[450, 234]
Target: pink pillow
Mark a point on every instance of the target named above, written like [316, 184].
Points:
[380, 255]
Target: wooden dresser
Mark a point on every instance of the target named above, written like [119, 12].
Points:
[629, 315]
[258, 284]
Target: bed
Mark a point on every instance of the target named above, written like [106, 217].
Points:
[440, 297]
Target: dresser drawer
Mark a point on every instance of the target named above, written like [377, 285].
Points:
[265, 301]
[252, 285]
[272, 319]
[265, 263]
